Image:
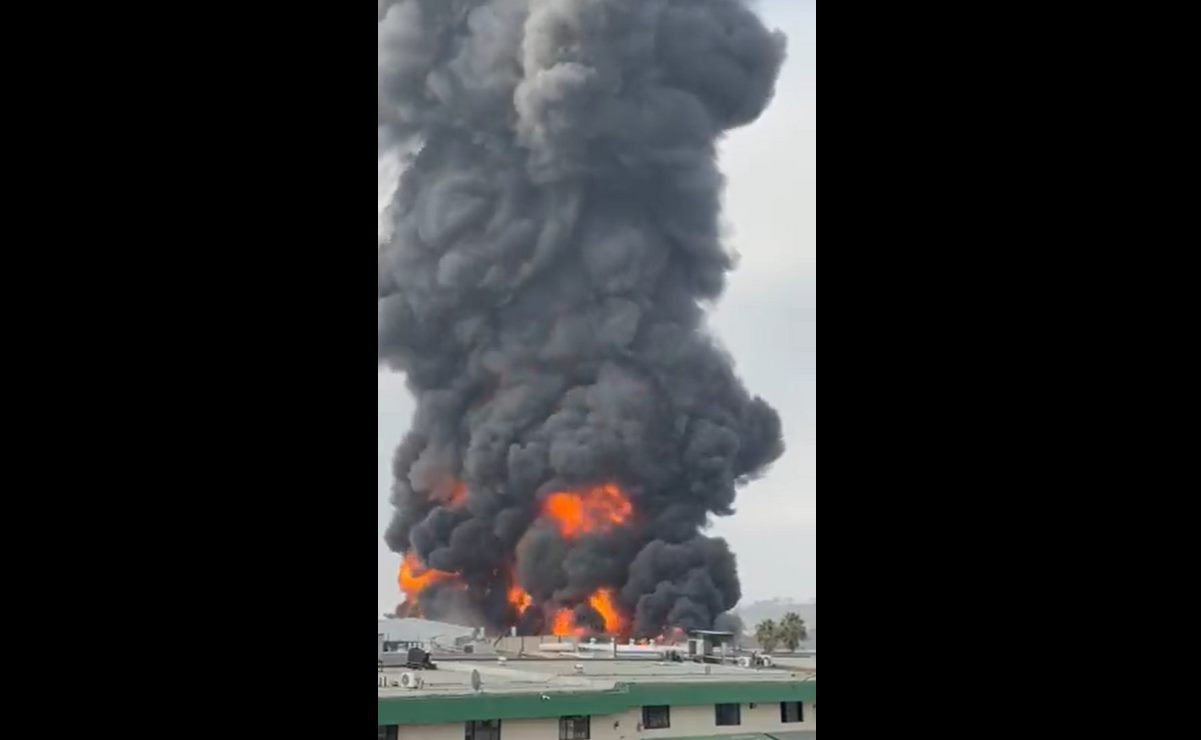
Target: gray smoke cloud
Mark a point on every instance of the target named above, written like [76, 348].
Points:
[549, 250]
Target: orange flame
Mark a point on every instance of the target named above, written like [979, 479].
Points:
[519, 598]
[561, 623]
[580, 512]
[414, 577]
[602, 601]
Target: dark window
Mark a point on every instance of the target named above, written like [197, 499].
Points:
[574, 728]
[792, 711]
[483, 729]
[387, 732]
[729, 714]
[656, 718]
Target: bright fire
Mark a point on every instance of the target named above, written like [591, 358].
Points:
[519, 598]
[414, 577]
[580, 512]
[561, 623]
[602, 602]
[573, 512]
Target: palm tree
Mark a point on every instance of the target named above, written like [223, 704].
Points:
[792, 630]
[768, 634]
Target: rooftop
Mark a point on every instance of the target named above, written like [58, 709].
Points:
[529, 688]
[412, 629]
[541, 675]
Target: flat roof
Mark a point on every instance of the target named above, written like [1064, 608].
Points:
[542, 674]
[530, 688]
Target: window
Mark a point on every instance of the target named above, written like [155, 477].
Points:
[387, 732]
[483, 729]
[729, 714]
[574, 728]
[792, 711]
[656, 718]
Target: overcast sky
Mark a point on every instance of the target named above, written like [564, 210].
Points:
[767, 320]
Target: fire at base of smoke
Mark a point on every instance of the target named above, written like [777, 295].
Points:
[548, 249]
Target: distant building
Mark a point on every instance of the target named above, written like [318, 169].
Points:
[398, 635]
[594, 699]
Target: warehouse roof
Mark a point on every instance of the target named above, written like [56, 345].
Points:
[419, 630]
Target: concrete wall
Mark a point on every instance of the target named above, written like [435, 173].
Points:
[701, 720]
[449, 731]
[685, 721]
[528, 645]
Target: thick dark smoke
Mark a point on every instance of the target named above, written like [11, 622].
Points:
[552, 242]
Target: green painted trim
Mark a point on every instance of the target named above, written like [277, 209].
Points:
[426, 709]
[685, 694]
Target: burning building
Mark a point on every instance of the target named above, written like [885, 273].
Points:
[549, 251]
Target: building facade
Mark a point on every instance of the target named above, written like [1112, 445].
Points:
[601, 700]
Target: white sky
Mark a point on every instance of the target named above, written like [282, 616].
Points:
[767, 319]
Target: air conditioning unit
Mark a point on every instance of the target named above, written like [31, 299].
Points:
[410, 680]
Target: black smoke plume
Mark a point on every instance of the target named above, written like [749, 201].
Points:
[550, 247]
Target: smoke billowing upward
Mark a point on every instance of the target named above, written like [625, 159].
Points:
[549, 248]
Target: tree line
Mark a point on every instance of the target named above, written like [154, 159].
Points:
[790, 631]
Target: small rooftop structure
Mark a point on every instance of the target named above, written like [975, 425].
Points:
[709, 645]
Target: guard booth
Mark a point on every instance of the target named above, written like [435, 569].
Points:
[709, 646]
